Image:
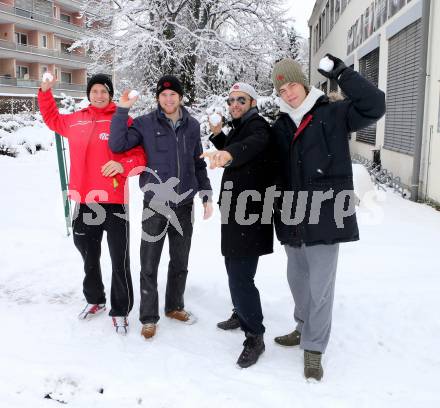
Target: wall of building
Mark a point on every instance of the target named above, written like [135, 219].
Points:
[336, 43]
[431, 148]
[7, 32]
[7, 67]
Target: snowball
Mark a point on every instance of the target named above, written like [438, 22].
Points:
[326, 64]
[47, 77]
[215, 119]
[133, 94]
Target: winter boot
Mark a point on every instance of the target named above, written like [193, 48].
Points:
[312, 365]
[253, 348]
[91, 311]
[182, 316]
[121, 324]
[230, 324]
[148, 330]
[289, 340]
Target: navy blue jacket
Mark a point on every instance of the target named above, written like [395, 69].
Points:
[170, 152]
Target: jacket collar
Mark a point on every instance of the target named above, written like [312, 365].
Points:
[110, 108]
[240, 121]
[297, 114]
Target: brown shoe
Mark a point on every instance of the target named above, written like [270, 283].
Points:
[148, 330]
[182, 316]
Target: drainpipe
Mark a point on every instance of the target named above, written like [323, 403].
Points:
[415, 180]
[310, 53]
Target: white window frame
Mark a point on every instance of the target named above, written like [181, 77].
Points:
[21, 73]
[18, 38]
[66, 73]
[66, 15]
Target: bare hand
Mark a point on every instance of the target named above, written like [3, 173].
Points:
[111, 168]
[125, 101]
[46, 85]
[217, 158]
[217, 129]
[207, 210]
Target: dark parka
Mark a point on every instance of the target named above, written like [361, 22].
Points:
[250, 169]
[319, 160]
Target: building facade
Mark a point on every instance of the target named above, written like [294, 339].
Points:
[35, 36]
[392, 43]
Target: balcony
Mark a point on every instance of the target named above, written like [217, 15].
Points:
[32, 83]
[70, 56]
[31, 15]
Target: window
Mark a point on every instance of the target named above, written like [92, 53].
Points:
[55, 12]
[65, 47]
[22, 72]
[403, 97]
[380, 13]
[395, 6]
[21, 38]
[65, 18]
[369, 68]
[337, 9]
[66, 77]
[44, 41]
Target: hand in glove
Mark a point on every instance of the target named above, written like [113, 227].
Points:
[338, 67]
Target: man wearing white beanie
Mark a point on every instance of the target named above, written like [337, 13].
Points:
[244, 154]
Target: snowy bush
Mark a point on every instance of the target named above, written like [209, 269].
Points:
[11, 123]
[29, 139]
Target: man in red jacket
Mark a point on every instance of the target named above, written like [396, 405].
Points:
[98, 185]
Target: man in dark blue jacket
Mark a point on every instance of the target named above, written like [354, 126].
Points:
[175, 173]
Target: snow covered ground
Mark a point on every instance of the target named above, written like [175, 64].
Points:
[383, 350]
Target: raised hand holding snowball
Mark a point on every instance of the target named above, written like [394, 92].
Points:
[327, 70]
[215, 123]
[48, 81]
[128, 99]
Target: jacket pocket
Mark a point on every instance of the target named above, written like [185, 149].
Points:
[161, 141]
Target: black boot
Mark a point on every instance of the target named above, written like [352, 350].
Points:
[230, 324]
[253, 348]
[312, 365]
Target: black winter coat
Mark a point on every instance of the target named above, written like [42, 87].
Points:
[319, 160]
[250, 169]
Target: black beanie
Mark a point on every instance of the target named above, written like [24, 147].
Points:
[100, 79]
[169, 82]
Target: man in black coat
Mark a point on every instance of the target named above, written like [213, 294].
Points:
[246, 233]
[315, 175]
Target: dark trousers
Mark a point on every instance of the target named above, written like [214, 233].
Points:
[159, 226]
[244, 293]
[88, 228]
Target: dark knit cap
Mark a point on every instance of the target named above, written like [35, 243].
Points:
[101, 79]
[287, 70]
[169, 82]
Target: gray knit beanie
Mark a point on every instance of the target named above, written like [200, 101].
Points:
[287, 70]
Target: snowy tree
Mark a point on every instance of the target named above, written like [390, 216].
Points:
[207, 43]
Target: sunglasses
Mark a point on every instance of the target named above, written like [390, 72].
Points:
[241, 100]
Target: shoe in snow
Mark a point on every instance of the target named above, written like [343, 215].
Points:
[289, 340]
[121, 324]
[91, 310]
[253, 348]
[312, 365]
[230, 324]
[182, 316]
[148, 330]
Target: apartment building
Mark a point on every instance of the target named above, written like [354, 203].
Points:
[35, 37]
[392, 43]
